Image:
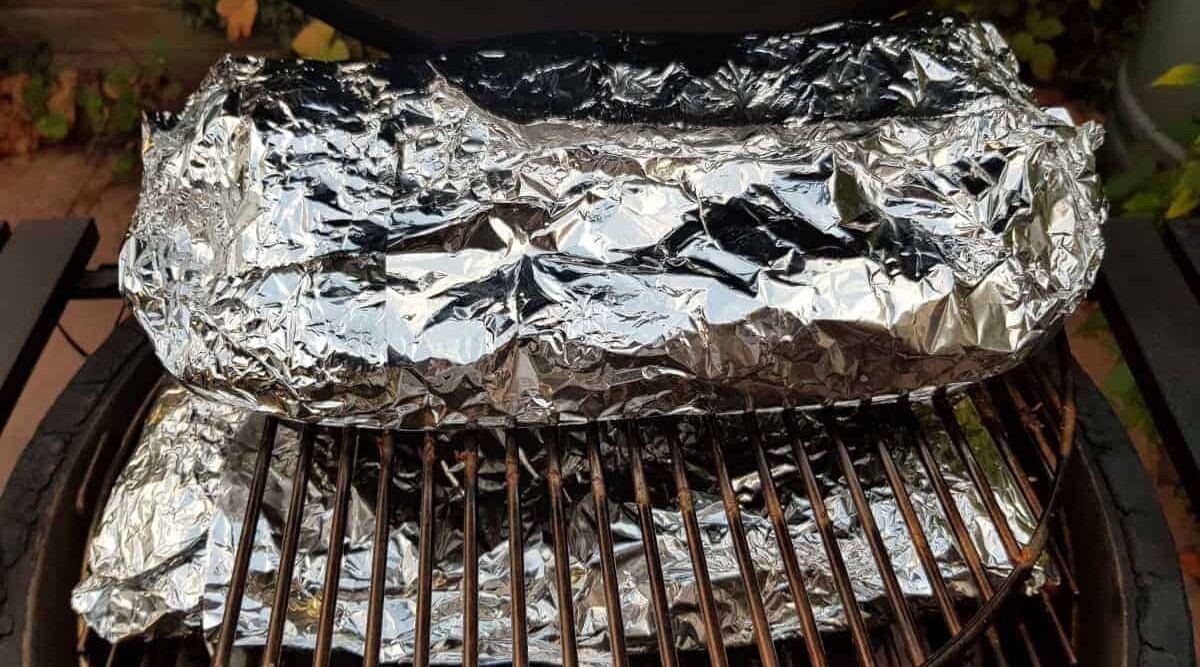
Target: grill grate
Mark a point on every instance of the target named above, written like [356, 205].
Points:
[1030, 422]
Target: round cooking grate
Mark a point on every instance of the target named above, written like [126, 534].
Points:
[1027, 419]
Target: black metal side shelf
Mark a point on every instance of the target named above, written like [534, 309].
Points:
[1150, 294]
[40, 265]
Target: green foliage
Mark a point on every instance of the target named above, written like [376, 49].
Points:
[97, 107]
[53, 126]
[118, 79]
[1149, 205]
[278, 19]
[95, 113]
[1043, 27]
[126, 111]
[1043, 61]
[1153, 191]
[285, 23]
[1072, 45]
[1180, 75]
[1183, 131]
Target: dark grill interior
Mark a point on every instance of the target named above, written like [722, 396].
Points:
[1027, 414]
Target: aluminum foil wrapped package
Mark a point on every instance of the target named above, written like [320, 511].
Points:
[587, 226]
[162, 551]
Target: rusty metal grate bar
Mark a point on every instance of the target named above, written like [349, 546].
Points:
[608, 565]
[379, 550]
[907, 639]
[1016, 554]
[516, 550]
[708, 607]
[470, 553]
[962, 537]
[916, 532]
[287, 554]
[808, 623]
[241, 562]
[562, 564]
[741, 550]
[664, 632]
[841, 578]
[337, 537]
[862, 507]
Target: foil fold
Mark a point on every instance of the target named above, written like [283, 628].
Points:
[164, 546]
[583, 227]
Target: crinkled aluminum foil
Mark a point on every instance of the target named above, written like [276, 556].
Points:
[165, 544]
[582, 227]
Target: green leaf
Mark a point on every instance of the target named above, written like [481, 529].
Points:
[126, 112]
[1145, 205]
[1183, 130]
[318, 41]
[338, 50]
[1023, 45]
[1184, 202]
[1180, 75]
[1123, 185]
[1190, 176]
[1043, 61]
[1047, 28]
[92, 103]
[1096, 4]
[116, 82]
[53, 126]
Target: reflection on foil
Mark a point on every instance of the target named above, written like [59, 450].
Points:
[164, 547]
[581, 227]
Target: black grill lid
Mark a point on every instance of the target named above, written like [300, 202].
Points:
[402, 26]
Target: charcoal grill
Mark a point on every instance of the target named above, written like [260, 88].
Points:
[1029, 415]
[1110, 603]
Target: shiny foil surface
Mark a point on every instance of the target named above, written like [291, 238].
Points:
[579, 227]
[162, 552]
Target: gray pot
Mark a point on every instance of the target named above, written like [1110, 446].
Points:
[1170, 36]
